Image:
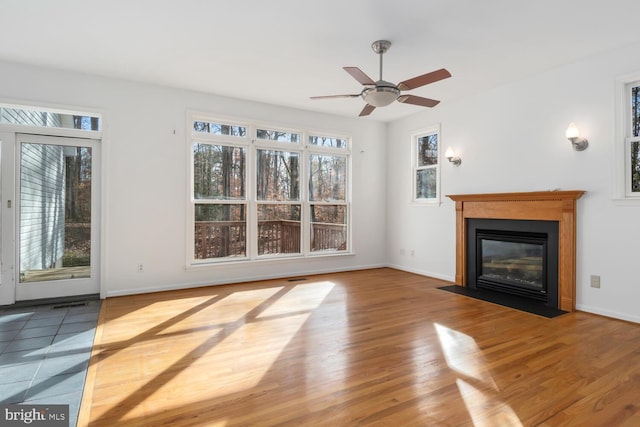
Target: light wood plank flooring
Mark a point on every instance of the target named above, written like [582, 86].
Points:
[377, 347]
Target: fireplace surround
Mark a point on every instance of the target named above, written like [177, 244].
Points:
[558, 207]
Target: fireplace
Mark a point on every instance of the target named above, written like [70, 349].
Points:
[557, 207]
[517, 257]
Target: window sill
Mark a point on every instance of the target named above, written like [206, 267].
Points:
[430, 203]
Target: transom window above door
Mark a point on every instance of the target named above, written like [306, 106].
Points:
[48, 118]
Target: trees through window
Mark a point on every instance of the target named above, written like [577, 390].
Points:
[426, 146]
[633, 138]
[260, 192]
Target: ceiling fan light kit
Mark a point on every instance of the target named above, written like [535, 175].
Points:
[380, 96]
[382, 93]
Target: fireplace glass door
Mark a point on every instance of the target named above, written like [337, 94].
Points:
[514, 263]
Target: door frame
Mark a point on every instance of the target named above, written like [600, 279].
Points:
[60, 288]
[7, 220]
[9, 214]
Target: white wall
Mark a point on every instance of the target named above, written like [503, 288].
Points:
[146, 176]
[511, 138]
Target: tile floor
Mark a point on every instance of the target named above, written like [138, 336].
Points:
[44, 353]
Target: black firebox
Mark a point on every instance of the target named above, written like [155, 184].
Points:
[517, 257]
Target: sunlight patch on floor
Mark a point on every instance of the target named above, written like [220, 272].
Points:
[305, 297]
[463, 355]
[244, 372]
[476, 385]
[485, 410]
[210, 342]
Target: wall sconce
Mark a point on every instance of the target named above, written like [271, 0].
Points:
[450, 155]
[573, 135]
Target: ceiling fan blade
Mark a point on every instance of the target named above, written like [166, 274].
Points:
[359, 75]
[367, 110]
[336, 96]
[424, 79]
[418, 100]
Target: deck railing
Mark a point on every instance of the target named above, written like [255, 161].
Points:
[222, 239]
[219, 239]
[328, 237]
[278, 237]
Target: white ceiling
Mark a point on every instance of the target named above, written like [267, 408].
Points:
[284, 51]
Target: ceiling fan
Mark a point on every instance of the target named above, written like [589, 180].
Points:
[383, 93]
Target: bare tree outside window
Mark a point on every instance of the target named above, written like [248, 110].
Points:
[324, 141]
[278, 182]
[328, 184]
[278, 175]
[219, 175]
[426, 148]
[219, 129]
[635, 145]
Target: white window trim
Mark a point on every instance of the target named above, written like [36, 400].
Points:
[622, 194]
[253, 144]
[436, 201]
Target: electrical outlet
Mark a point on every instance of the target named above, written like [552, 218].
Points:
[595, 281]
[413, 253]
[140, 268]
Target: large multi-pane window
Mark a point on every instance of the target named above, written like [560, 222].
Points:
[261, 192]
[632, 138]
[426, 147]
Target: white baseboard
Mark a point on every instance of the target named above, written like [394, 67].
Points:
[423, 272]
[249, 278]
[608, 313]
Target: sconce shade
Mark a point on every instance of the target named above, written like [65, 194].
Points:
[572, 131]
[449, 153]
[451, 156]
[573, 135]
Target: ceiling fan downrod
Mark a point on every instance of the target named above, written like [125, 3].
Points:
[380, 47]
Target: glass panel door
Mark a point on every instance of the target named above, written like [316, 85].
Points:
[57, 228]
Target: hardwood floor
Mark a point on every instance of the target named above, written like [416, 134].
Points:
[376, 347]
